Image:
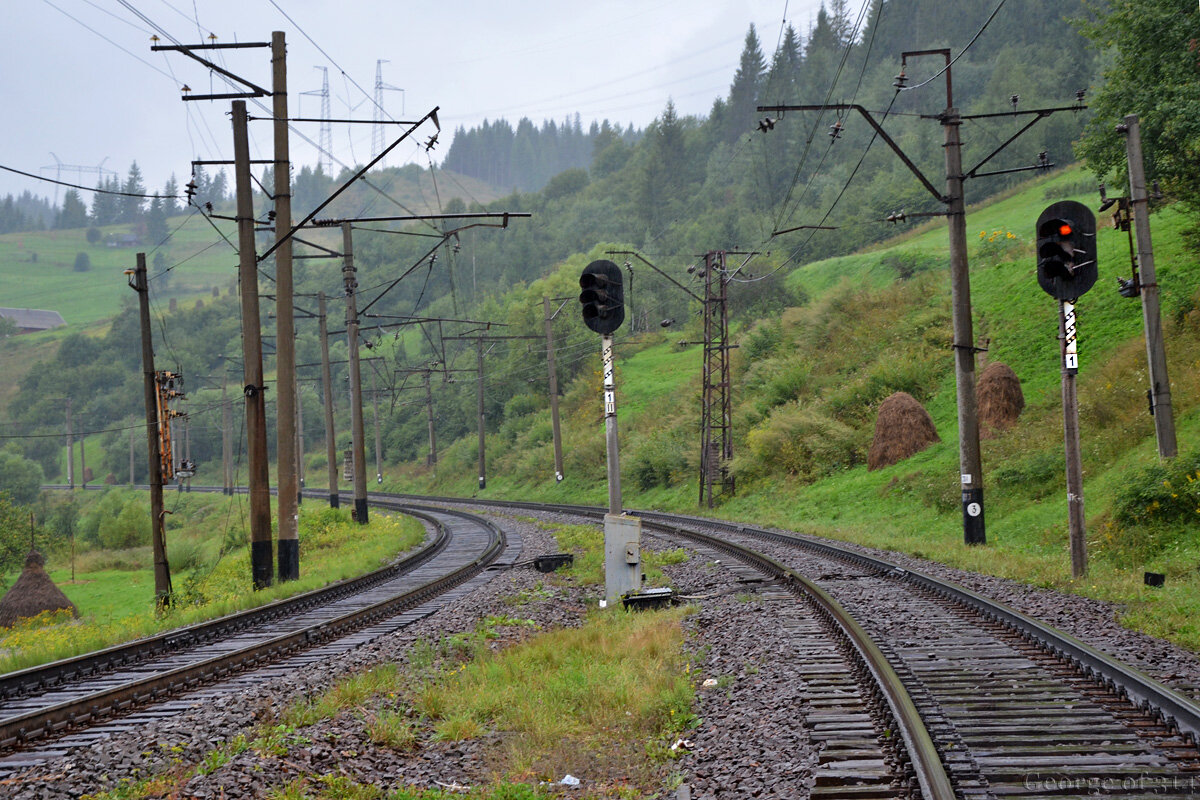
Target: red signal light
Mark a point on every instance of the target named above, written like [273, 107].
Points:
[1065, 230]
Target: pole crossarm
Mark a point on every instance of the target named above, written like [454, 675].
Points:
[504, 217]
[940, 196]
[1038, 116]
[639, 257]
[432, 115]
[187, 49]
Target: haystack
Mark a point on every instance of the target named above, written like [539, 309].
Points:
[998, 398]
[32, 594]
[902, 428]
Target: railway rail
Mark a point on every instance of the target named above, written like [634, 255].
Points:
[40, 704]
[933, 690]
[988, 700]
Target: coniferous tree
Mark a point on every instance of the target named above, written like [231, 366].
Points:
[743, 92]
[73, 213]
[129, 209]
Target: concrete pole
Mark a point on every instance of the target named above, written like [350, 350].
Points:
[622, 533]
[70, 449]
[610, 425]
[226, 439]
[378, 438]
[558, 452]
[261, 563]
[162, 571]
[432, 463]
[971, 468]
[82, 462]
[285, 330]
[1074, 461]
[299, 445]
[132, 462]
[327, 391]
[479, 369]
[1156, 354]
[356, 412]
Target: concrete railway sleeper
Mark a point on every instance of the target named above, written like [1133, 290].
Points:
[464, 547]
[1013, 706]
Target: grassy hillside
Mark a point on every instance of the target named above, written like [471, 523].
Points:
[808, 382]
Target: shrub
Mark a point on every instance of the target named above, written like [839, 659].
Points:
[659, 460]
[83, 262]
[799, 440]
[1161, 494]
[129, 528]
[93, 235]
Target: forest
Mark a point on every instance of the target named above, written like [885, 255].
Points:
[730, 181]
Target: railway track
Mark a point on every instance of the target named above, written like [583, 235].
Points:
[45, 711]
[997, 703]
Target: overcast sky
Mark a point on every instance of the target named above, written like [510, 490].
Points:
[81, 87]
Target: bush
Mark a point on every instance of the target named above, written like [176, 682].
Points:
[659, 460]
[93, 235]
[129, 528]
[801, 441]
[83, 262]
[1161, 494]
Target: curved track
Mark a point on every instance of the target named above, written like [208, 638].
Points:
[74, 696]
[1007, 705]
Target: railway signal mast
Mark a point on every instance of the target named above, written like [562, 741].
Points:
[603, 307]
[1066, 268]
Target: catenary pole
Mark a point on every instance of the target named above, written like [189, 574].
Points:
[357, 445]
[327, 392]
[970, 463]
[162, 572]
[285, 330]
[1156, 354]
[554, 424]
[261, 561]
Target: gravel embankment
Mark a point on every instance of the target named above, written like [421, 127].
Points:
[749, 742]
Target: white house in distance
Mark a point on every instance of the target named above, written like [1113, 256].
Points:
[32, 320]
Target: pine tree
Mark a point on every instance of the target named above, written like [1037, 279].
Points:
[743, 93]
[129, 209]
[74, 213]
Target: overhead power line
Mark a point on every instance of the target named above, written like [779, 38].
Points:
[90, 188]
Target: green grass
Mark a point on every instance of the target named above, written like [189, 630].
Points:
[117, 605]
[862, 334]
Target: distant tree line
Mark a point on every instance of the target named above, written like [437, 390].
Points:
[111, 204]
[526, 158]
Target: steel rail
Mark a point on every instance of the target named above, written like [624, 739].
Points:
[17, 730]
[923, 756]
[1143, 691]
[19, 682]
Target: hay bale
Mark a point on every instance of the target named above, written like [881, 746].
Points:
[32, 594]
[902, 428]
[998, 398]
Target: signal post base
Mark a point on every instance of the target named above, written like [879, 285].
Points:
[622, 556]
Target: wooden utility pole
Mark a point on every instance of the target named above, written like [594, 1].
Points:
[1067, 331]
[285, 340]
[558, 452]
[327, 392]
[1156, 354]
[359, 455]
[162, 571]
[261, 561]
